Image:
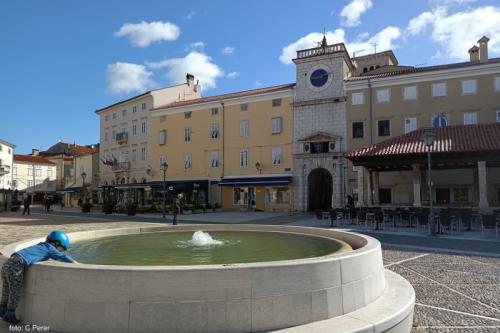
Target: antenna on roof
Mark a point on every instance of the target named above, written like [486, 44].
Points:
[357, 51]
[374, 44]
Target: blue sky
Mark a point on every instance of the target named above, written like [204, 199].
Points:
[60, 60]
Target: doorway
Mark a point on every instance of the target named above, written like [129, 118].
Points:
[320, 189]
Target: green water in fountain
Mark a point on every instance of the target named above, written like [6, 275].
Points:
[181, 248]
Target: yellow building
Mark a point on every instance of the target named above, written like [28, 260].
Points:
[233, 150]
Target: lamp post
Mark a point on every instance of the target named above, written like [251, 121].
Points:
[428, 139]
[164, 167]
[83, 174]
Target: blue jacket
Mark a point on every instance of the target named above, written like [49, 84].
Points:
[42, 252]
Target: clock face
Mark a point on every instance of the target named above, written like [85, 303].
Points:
[319, 77]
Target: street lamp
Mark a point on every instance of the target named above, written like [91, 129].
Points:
[428, 139]
[164, 167]
[258, 166]
[83, 174]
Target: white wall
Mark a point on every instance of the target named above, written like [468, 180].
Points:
[45, 180]
[6, 153]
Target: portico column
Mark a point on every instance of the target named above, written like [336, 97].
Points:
[375, 180]
[361, 187]
[369, 189]
[338, 185]
[483, 185]
[417, 181]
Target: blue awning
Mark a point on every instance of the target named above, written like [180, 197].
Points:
[249, 181]
[71, 189]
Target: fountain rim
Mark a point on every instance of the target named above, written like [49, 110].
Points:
[370, 244]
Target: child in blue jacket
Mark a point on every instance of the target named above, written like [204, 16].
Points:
[55, 246]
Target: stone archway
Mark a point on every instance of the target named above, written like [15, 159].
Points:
[320, 189]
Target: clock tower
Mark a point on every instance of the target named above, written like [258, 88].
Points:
[320, 127]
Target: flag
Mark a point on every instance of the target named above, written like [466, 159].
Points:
[115, 161]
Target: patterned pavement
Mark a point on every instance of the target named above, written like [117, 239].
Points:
[455, 292]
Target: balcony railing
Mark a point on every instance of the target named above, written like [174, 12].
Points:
[122, 137]
[329, 49]
[4, 169]
[120, 166]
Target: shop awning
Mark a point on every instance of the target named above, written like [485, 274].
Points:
[132, 186]
[70, 189]
[262, 180]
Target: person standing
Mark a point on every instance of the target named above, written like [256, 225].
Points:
[177, 209]
[27, 203]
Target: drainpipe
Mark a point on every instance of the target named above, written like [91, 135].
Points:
[223, 134]
[370, 112]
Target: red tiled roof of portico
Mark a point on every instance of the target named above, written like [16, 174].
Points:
[464, 140]
[32, 159]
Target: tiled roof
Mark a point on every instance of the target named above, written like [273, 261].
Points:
[68, 149]
[32, 159]
[449, 139]
[228, 96]
[413, 70]
[81, 150]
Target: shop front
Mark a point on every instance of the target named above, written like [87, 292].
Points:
[261, 193]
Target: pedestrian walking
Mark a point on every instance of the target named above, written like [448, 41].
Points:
[26, 204]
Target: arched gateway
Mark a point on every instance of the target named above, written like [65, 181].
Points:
[320, 189]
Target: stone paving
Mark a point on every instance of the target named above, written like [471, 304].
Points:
[455, 292]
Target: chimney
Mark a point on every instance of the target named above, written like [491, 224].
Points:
[189, 79]
[483, 49]
[474, 54]
[35, 152]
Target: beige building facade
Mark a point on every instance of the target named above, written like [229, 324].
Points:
[390, 102]
[230, 150]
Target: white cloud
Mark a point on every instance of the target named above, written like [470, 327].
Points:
[384, 40]
[144, 33]
[257, 84]
[196, 63]
[449, 3]
[457, 32]
[228, 50]
[233, 75]
[197, 46]
[124, 78]
[190, 15]
[351, 14]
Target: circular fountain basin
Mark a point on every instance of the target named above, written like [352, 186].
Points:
[230, 297]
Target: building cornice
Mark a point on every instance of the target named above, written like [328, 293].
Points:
[227, 102]
[403, 79]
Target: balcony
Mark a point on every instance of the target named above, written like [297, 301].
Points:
[4, 169]
[122, 138]
[322, 50]
[120, 167]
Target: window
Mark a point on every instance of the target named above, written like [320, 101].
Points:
[105, 136]
[134, 109]
[8, 151]
[244, 158]
[49, 172]
[214, 159]
[384, 128]
[134, 155]
[143, 127]
[30, 171]
[163, 159]
[240, 195]
[124, 112]
[357, 130]
[439, 89]
[187, 161]
[30, 182]
[383, 95]
[276, 102]
[114, 115]
[357, 98]
[277, 155]
[113, 135]
[143, 153]
[214, 131]
[162, 137]
[277, 125]
[187, 115]
[187, 134]
[143, 106]
[469, 87]
[410, 124]
[439, 121]
[244, 107]
[460, 195]
[163, 119]
[215, 111]
[498, 116]
[409, 93]
[277, 195]
[124, 130]
[134, 129]
[106, 118]
[497, 83]
[470, 118]
[244, 130]
[38, 171]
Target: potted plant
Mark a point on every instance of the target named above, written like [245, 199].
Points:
[107, 207]
[131, 208]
